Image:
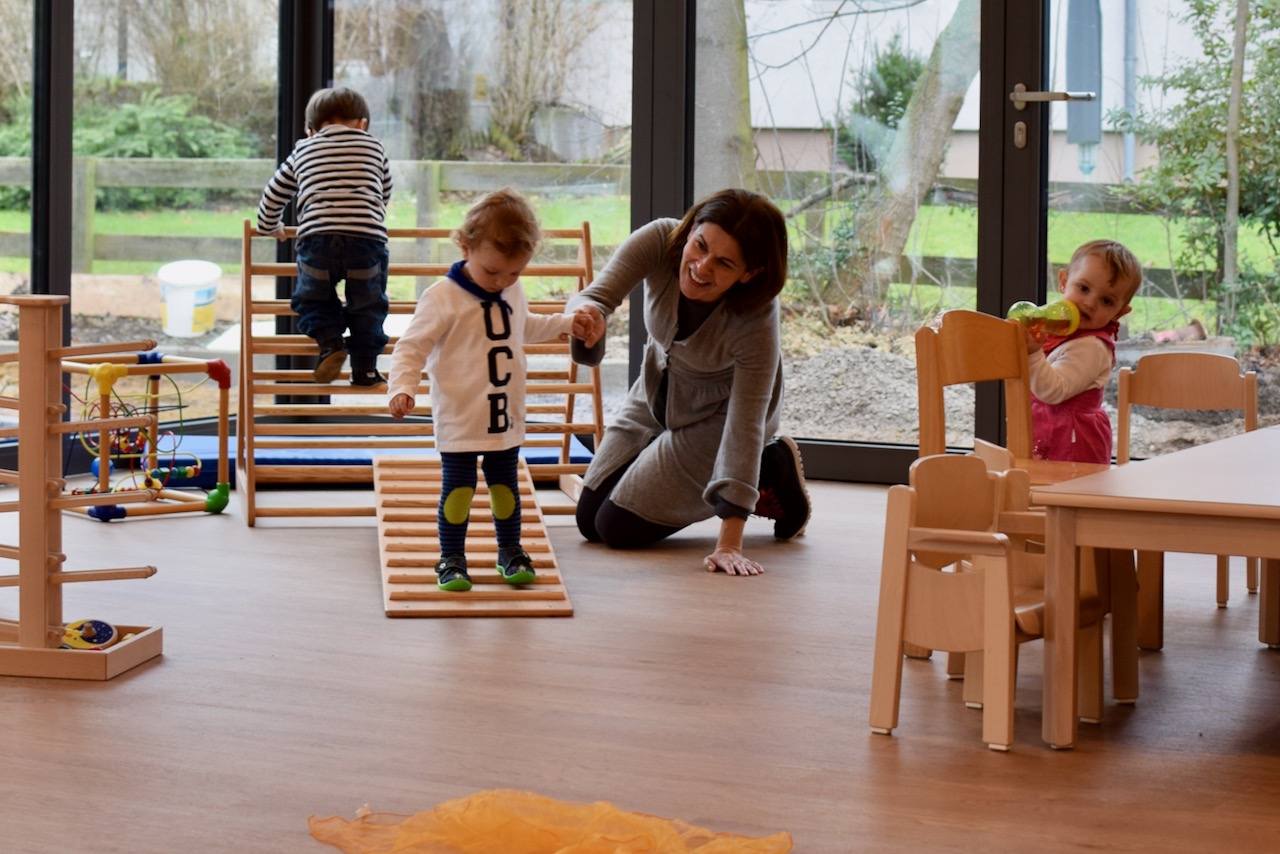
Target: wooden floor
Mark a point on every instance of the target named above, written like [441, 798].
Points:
[738, 704]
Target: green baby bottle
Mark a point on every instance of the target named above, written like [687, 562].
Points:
[1060, 317]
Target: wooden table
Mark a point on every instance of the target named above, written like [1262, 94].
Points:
[1048, 472]
[1219, 498]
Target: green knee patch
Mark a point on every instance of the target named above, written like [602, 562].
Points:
[503, 501]
[457, 505]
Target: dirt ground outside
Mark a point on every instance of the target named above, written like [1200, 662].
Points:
[846, 383]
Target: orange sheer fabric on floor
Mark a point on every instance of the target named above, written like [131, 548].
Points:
[512, 822]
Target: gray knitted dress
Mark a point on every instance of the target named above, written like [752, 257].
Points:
[724, 394]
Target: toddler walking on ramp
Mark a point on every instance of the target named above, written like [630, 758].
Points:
[469, 330]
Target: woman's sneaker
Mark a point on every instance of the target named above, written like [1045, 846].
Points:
[451, 574]
[515, 566]
[783, 494]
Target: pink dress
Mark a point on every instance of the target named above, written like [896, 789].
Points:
[1078, 429]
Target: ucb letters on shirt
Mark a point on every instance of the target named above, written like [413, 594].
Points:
[497, 327]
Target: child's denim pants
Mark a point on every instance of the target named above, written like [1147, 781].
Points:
[323, 261]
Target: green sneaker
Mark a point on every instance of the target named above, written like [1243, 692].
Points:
[515, 565]
[451, 574]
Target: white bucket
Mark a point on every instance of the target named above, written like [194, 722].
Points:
[187, 293]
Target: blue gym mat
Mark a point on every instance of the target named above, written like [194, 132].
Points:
[205, 448]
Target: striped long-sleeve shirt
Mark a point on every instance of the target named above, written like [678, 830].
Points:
[342, 180]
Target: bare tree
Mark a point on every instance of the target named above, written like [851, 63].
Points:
[914, 159]
[537, 41]
[853, 273]
[722, 121]
[211, 49]
[408, 44]
[15, 46]
[1231, 216]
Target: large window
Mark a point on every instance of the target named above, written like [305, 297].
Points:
[15, 174]
[815, 102]
[811, 103]
[862, 122]
[174, 119]
[1149, 163]
[472, 96]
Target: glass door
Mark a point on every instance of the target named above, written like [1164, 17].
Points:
[862, 122]
[1172, 160]
[468, 97]
[174, 114]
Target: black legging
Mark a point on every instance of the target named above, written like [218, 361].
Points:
[602, 521]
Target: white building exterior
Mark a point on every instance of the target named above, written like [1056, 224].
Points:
[801, 52]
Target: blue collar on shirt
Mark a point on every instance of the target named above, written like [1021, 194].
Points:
[464, 281]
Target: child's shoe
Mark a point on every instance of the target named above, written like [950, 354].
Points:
[451, 574]
[333, 355]
[368, 379]
[515, 566]
[783, 494]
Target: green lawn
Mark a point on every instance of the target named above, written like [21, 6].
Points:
[945, 231]
[609, 218]
[952, 232]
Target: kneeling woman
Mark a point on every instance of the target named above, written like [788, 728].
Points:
[696, 434]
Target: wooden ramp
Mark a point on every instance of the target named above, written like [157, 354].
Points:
[407, 494]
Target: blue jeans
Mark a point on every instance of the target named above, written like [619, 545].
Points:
[323, 261]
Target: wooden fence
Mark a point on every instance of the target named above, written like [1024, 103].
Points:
[427, 180]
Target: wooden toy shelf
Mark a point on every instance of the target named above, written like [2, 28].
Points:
[284, 412]
[29, 646]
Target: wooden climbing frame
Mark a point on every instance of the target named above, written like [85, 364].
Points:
[283, 411]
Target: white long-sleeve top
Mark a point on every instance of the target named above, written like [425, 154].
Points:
[473, 351]
[1073, 367]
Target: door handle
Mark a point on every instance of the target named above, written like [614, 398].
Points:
[1021, 97]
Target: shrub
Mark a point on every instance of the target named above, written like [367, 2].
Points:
[147, 125]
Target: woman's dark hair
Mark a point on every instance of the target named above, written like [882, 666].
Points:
[335, 105]
[758, 227]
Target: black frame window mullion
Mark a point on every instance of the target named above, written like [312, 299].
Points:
[51, 151]
[1012, 185]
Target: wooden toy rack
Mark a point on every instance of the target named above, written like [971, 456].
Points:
[285, 410]
[29, 646]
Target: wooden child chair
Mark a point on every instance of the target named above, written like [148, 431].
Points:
[966, 347]
[947, 515]
[1111, 570]
[1189, 381]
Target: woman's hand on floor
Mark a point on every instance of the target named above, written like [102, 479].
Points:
[731, 562]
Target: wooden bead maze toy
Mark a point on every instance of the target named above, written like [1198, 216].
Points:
[145, 458]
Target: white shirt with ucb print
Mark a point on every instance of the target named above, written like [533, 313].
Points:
[473, 350]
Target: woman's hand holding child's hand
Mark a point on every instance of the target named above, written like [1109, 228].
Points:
[588, 326]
